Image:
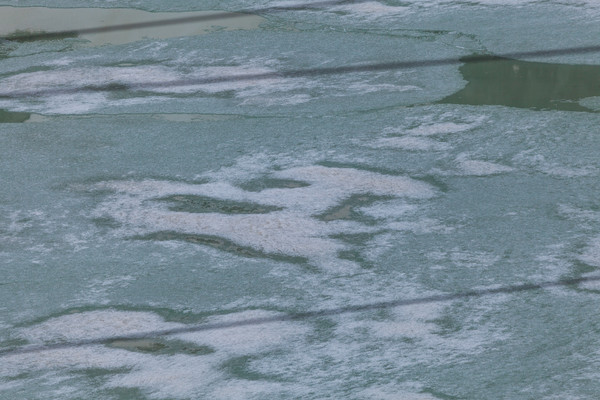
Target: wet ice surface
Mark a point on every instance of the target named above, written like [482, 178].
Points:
[169, 207]
[23, 23]
[175, 84]
[328, 231]
[292, 231]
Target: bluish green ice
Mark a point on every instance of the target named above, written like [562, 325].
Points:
[167, 207]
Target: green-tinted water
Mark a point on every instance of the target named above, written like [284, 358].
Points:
[524, 84]
[11, 117]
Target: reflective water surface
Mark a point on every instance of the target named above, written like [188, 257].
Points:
[535, 85]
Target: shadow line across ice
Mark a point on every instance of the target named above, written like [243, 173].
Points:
[474, 60]
[34, 36]
[300, 316]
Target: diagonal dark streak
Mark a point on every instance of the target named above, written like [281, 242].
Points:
[302, 315]
[175, 21]
[299, 73]
[303, 73]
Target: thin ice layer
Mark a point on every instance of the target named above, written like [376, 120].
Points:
[161, 376]
[22, 21]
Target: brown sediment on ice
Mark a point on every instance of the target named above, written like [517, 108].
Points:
[37, 23]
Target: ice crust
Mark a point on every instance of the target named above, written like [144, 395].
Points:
[294, 231]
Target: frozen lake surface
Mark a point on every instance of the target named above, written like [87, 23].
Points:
[143, 193]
